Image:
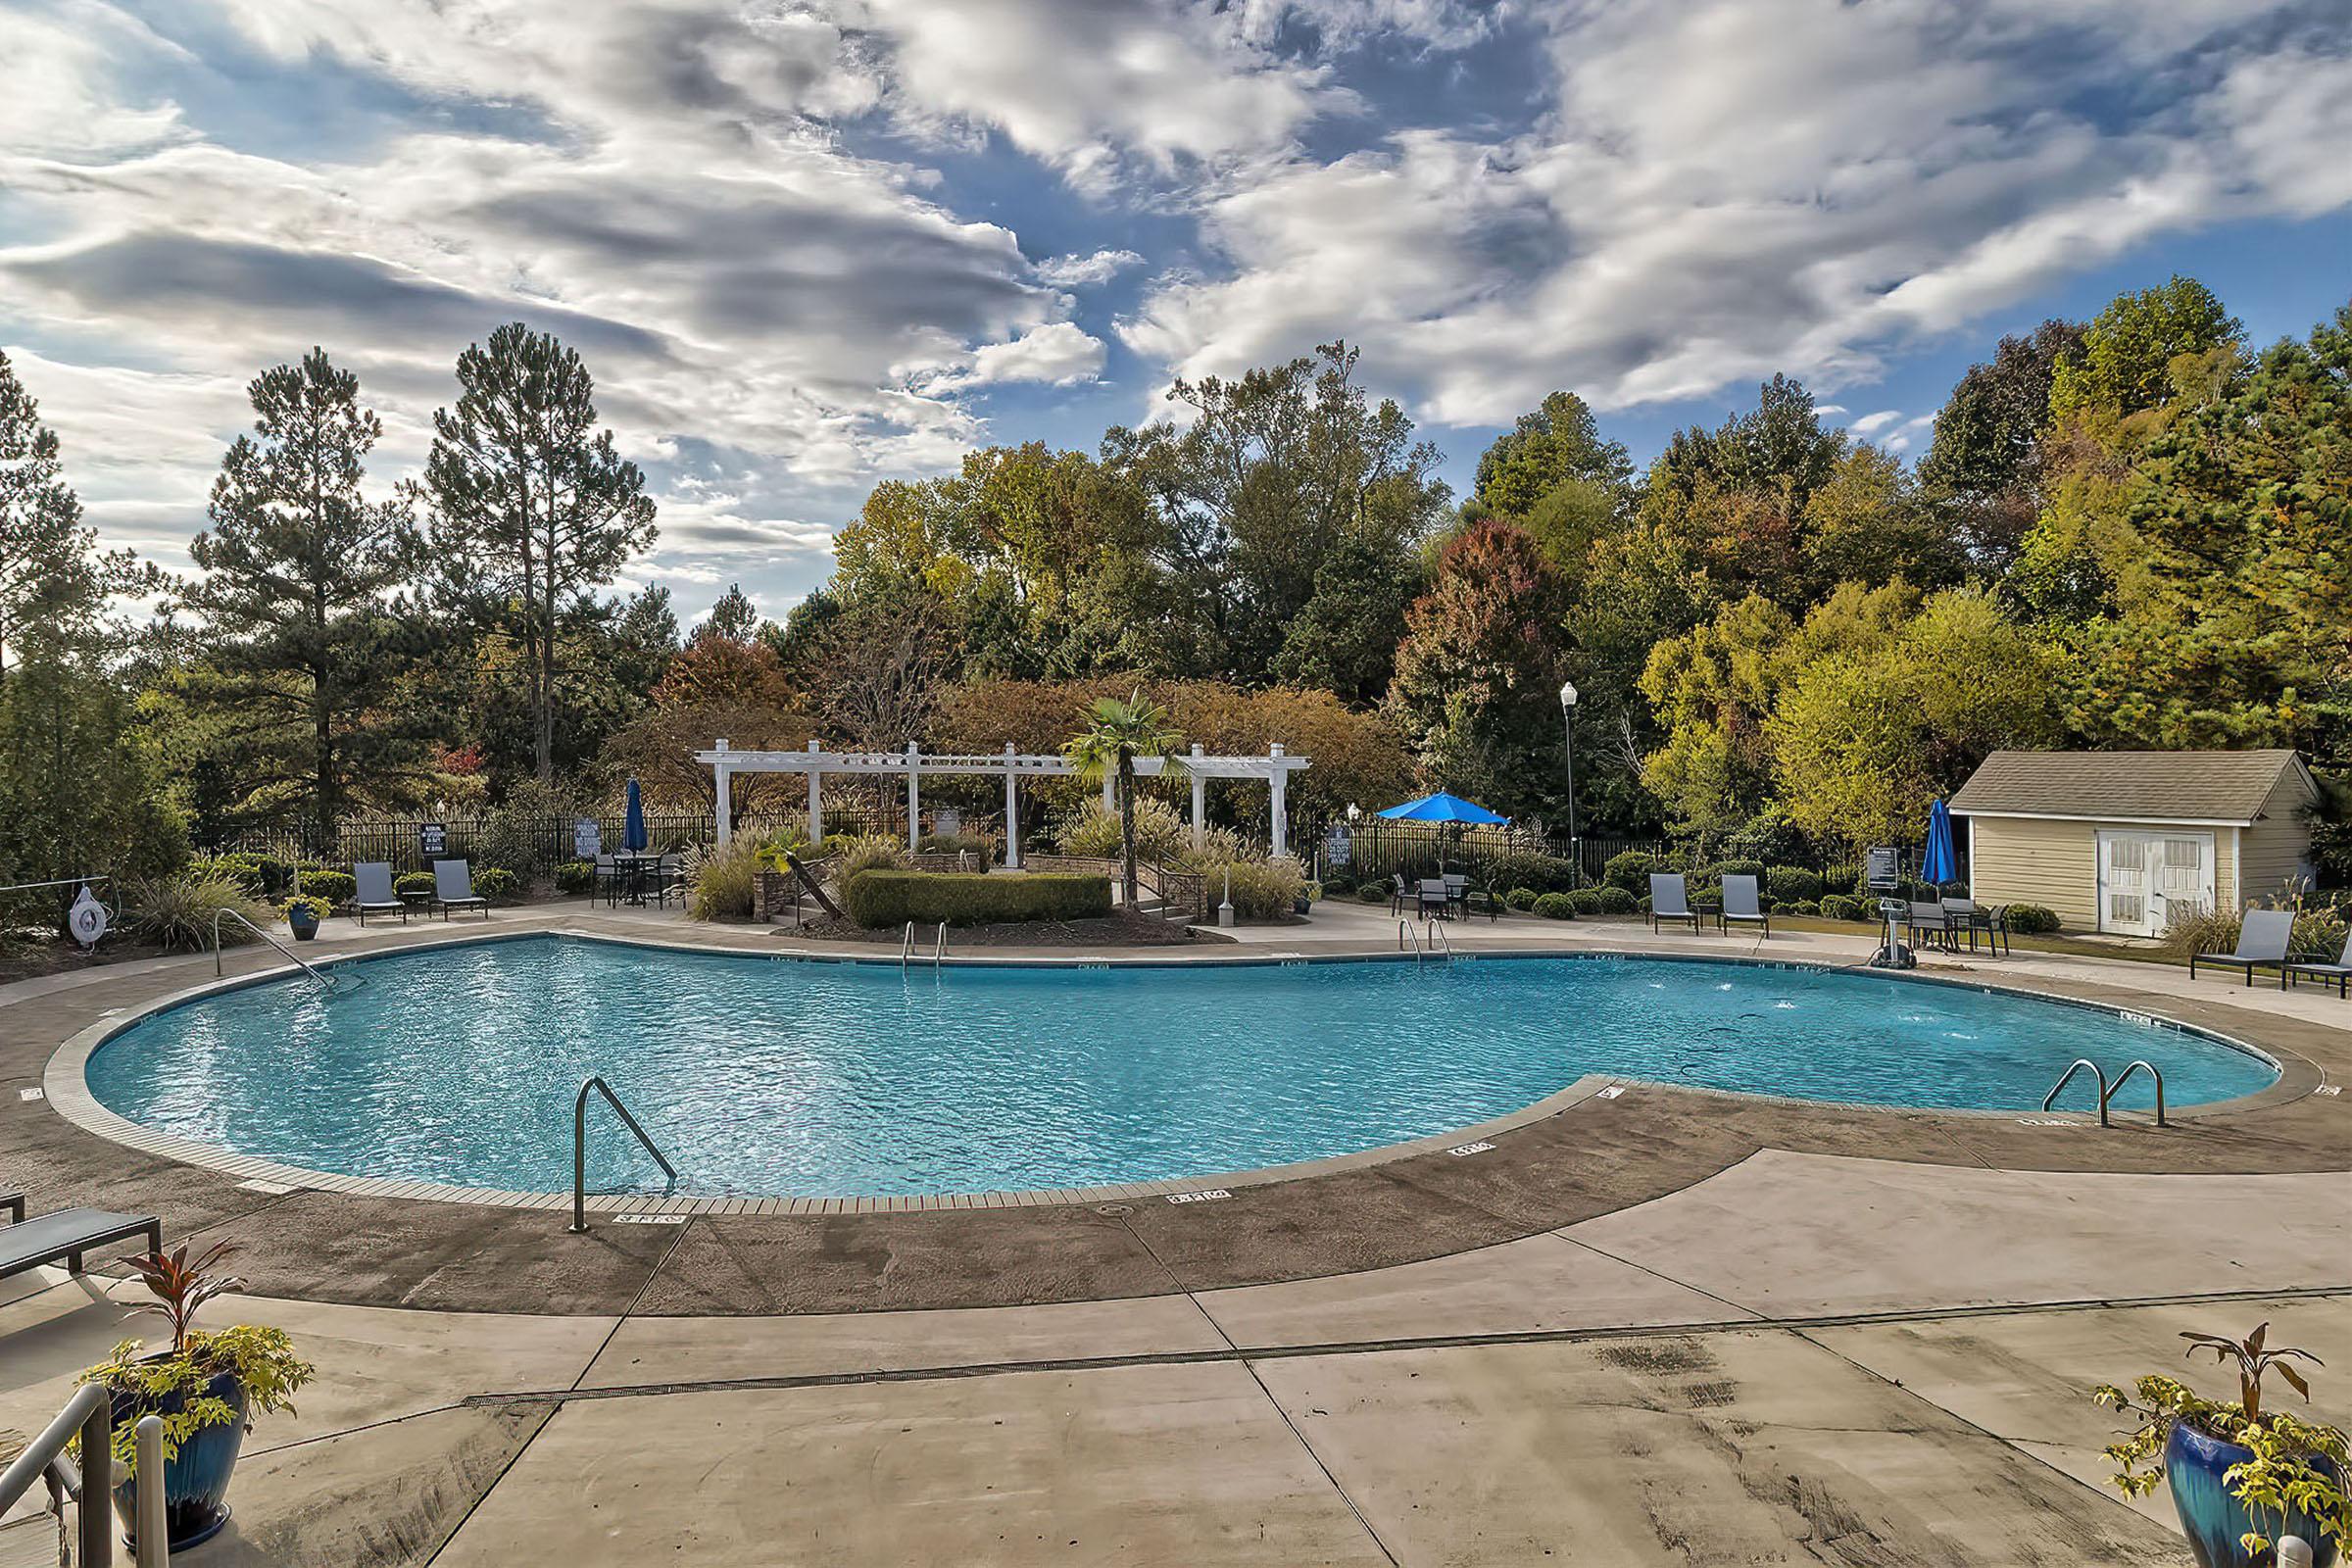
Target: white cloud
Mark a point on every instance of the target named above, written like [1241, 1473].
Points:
[1085, 272]
[1056, 353]
[1870, 422]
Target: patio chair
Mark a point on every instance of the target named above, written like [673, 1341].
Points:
[453, 888]
[1433, 899]
[1927, 921]
[66, 1233]
[1458, 889]
[375, 894]
[2262, 940]
[1742, 905]
[1397, 893]
[1973, 917]
[669, 877]
[2339, 971]
[1670, 899]
[607, 881]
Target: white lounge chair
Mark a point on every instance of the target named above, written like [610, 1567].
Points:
[453, 888]
[1670, 899]
[376, 895]
[2262, 939]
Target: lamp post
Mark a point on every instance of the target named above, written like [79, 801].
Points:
[1568, 736]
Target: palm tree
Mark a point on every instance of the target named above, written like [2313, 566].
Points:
[1116, 734]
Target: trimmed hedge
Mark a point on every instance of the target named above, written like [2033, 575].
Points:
[1372, 893]
[575, 876]
[1845, 906]
[2032, 919]
[1631, 870]
[1556, 907]
[1522, 898]
[1793, 884]
[1615, 900]
[335, 887]
[893, 897]
[495, 883]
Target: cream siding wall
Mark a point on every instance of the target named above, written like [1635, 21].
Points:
[2277, 846]
[2056, 864]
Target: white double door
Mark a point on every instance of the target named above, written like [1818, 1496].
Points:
[2148, 880]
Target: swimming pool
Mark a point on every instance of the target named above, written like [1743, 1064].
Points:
[765, 1077]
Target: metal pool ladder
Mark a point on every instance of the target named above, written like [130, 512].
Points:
[1405, 938]
[580, 1148]
[939, 947]
[2107, 1091]
[1439, 943]
[308, 967]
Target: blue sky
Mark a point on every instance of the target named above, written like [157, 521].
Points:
[810, 244]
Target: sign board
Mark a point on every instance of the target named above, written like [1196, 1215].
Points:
[1880, 869]
[587, 839]
[1336, 847]
[433, 841]
[946, 823]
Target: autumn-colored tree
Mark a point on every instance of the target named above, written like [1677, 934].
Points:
[716, 668]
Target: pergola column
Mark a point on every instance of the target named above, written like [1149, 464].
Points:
[722, 784]
[816, 801]
[1013, 813]
[914, 805]
[1110, 778]
[1199, 800]
[1279, 812]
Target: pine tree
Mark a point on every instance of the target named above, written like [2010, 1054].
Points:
[54, 580]
[533, 508]
[300, 574]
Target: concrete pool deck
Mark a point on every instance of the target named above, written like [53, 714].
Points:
[1670, 1327]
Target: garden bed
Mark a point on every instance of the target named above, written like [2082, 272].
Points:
[1115, 929]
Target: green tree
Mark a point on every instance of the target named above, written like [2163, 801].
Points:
[1985, 462]
[1345, 641]
[2126, 356]
[1116, 734]
[1478, 674]
[1559, 446]
[533, 508]
[732, 617]
[300, 574]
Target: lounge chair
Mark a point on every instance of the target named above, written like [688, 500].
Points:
[1434, 899]
[2339, 971]
[376, 895]
[453, 888]
[2262, 939]
[1670, 899]
[66, 1233]
[1742, 905]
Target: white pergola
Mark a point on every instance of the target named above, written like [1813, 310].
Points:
[1275, 767]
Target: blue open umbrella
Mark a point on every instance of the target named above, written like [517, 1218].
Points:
[633, 836]
[1443, 807]
[1939, 867]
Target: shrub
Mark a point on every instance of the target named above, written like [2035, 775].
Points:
[1843, 906]
[1804, 907]
[1340, 882]
[1768, 836]
[263, 874]
[1219, 846]
[496, 882]
[1556, 907]
[408, 882]
[2034, 919]
[1545, 873]
[1586, 901]
[1631, 870]
[1792, 884]
[1372, 893]
[1092, 833]
[876, 898]
[1524, 897]
[176, 912]
[1262, 890]
[575, 876]
[335, 887]
[1755, 869]
[718, 882]
[516, 834]
[1616, 900]
[864, 852]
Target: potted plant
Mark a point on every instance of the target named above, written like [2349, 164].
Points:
[2241, 1476]
[207, 1387]
[303, 911]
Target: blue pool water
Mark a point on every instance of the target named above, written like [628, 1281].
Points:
[763, 1077]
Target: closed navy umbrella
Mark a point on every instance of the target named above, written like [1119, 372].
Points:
[633, 836]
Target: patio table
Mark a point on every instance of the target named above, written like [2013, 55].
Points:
[632, 867]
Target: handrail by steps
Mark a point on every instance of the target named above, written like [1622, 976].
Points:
[90, 1416]
[938, 949]
[907, 947]
[1406, 939]
[580, 1148]
[1439, 942]
[2142, 1065]
[2078, 1063]
[308, 967]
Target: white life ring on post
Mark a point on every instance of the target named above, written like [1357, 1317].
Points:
[87, 919]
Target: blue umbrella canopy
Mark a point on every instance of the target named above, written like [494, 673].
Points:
[1938, 866]
[633, 836]
[1443, 807]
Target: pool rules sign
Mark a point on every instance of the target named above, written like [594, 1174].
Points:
[433, 841]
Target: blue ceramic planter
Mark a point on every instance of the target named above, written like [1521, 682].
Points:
[304, 926]
[2212, 1518]
[196, 1479]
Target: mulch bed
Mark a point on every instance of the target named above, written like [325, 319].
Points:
[30, 959]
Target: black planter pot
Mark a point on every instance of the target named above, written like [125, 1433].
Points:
[195, 1479]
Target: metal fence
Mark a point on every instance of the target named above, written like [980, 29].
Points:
[399, 841]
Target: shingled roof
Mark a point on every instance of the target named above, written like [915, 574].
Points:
[2127, 786]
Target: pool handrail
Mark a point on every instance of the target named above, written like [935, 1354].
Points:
[906, 945]
[90, 1416]
[580, 1148]
[938, 949]
[313, 971]
[2059, 1088]
[1406, 939]
[1438, 942]
[2140, 1065]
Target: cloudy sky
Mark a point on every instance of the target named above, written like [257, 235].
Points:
[807, 244]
